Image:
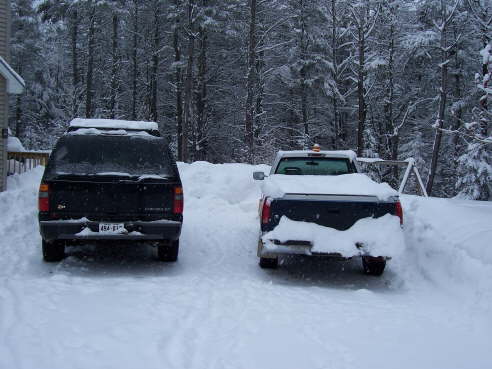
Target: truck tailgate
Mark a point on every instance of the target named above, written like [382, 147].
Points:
[111, 200]
[334, 211]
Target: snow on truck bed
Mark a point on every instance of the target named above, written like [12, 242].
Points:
[277, 185]
[116, 307]
[380, 237]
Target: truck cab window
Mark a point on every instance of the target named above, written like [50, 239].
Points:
[314, 166]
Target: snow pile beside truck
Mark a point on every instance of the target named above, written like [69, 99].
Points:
[448, 244]
[221, 183]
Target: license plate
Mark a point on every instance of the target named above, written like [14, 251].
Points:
[112, 228]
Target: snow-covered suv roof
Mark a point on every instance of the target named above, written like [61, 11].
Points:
[113, 124]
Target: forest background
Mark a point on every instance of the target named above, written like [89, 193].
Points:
[237, 80]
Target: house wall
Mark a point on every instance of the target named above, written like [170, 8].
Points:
[5, 29]
[4, 52]
[3, 142]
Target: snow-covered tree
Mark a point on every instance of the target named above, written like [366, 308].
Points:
[475, 172]
[369, 75]
[474, 165]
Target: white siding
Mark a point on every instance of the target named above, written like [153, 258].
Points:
[5, 29]
[3, 124]
[4, 52]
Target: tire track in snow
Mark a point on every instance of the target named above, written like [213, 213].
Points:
[9, 320]
[232, 333]
[217, 309]
[220, 259]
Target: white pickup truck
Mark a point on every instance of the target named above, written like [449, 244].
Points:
[317, 203]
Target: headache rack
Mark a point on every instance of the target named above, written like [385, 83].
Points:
[410, 169]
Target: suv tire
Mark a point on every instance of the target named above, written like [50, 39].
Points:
[168, 250]
[269, 263]
[53, 251]
[373, 265]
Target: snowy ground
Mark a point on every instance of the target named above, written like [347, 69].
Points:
[115, 307]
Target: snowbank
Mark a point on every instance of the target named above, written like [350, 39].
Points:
[449, 243]
[221, 183]
[380, 237]
[25, 182]
[18, 221]
[113, 124]
[14, 145]
[277, 185]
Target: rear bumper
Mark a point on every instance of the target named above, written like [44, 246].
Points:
[52, 230]
[270, 249]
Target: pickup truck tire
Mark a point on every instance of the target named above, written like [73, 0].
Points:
[53, 251]
[168, 250]
[373, 265]
[268, 263]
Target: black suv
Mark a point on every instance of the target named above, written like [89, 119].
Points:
[111, 180]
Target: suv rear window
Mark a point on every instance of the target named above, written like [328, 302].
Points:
[104, 154]
[314, 166]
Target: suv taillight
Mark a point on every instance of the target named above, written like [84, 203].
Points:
[399, 211]
[265, 211]
[178, 200]
[44, 197]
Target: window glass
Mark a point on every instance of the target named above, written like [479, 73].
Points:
[313, 166]
[97, 154]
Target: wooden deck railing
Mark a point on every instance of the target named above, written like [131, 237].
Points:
[20, 162]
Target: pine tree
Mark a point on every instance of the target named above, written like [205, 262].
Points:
[371, 75]
[475, 172]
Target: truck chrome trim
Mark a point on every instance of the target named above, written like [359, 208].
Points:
[96, 223]
[322, 197]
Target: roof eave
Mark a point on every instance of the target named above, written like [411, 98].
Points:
[15, 83]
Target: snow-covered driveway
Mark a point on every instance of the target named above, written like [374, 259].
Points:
[115, 307]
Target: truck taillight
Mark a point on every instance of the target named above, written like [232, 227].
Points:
[44, 197]
[178, 200]
[265, 211]
[399, 211]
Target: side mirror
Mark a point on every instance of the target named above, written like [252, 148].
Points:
[259, 176]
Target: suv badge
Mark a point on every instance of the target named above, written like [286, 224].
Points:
[60, 207]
